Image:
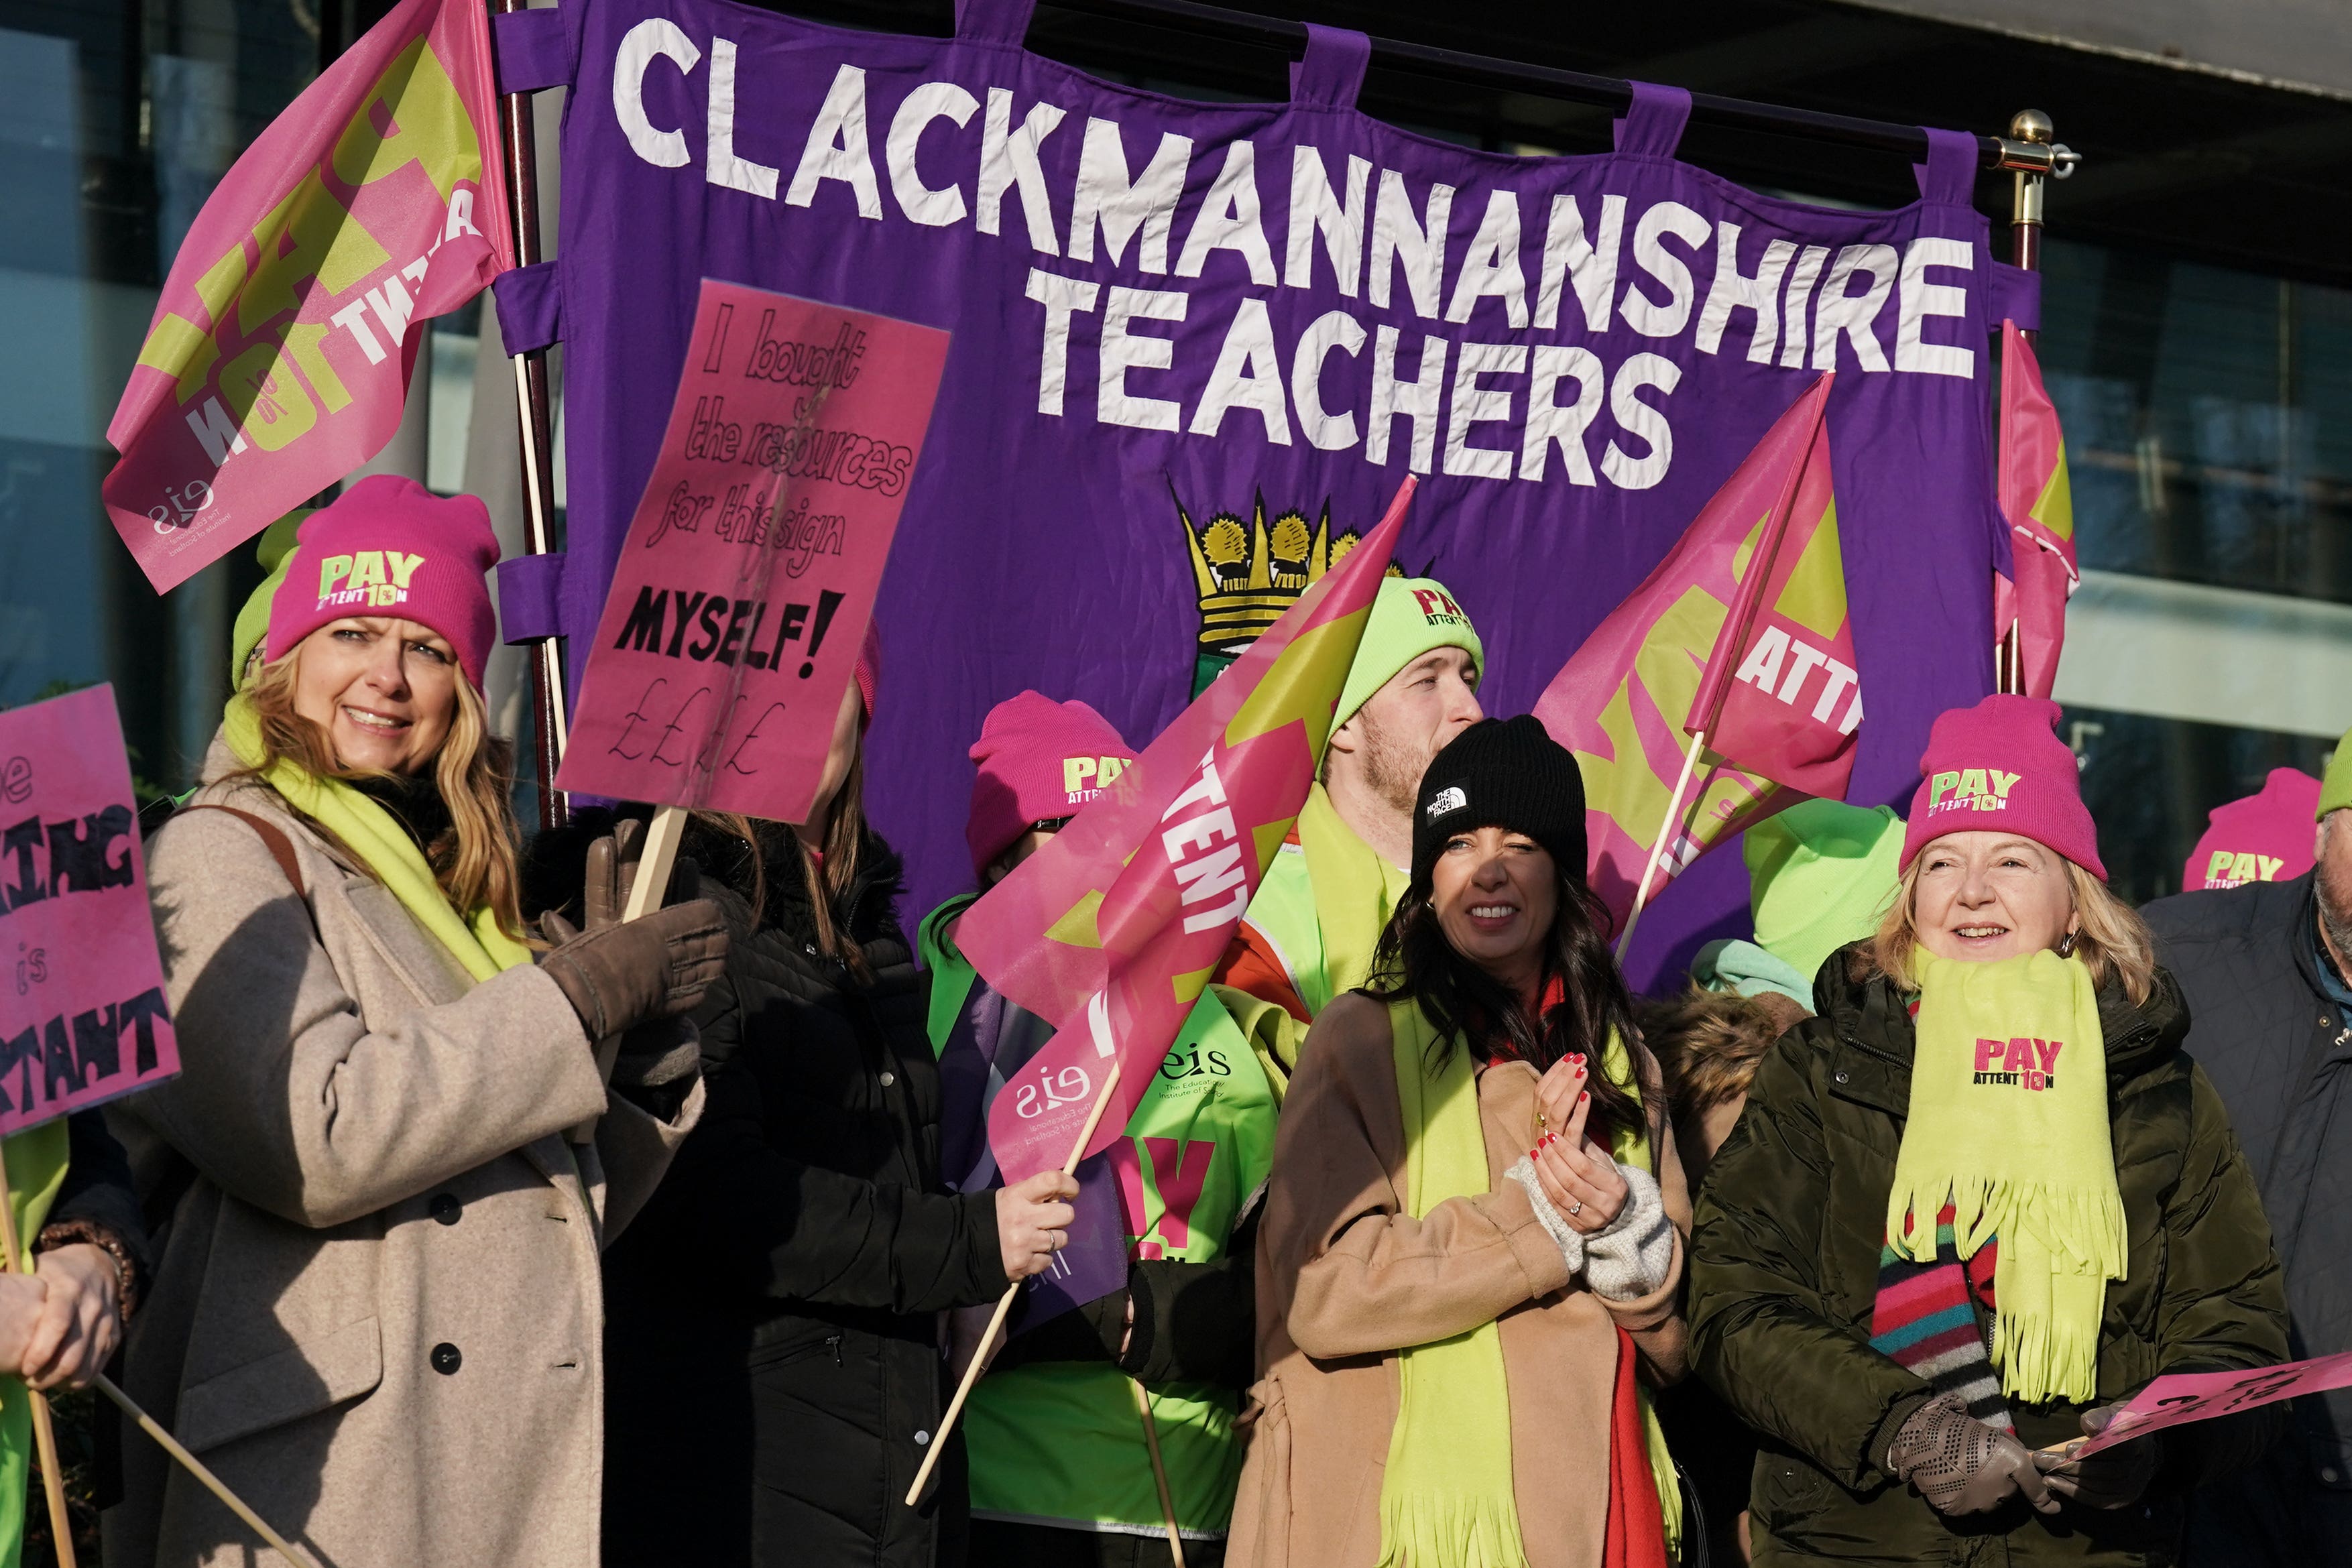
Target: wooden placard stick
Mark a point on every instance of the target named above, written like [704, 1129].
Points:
[1158, 1470]
[655, 861]
[195, 1467]
[1004, 1305]
[1665, 835]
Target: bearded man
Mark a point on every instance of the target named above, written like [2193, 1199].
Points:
[1310, 932]
[2267, 971]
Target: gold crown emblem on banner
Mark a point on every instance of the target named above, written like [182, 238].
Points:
[1247, 575]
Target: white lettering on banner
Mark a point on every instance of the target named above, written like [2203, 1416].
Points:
[1590, 265]
[1922, 299]
[1228, 220]
[836, 148]
[1801, 287]
[720, 166]
[1415, 400]
[1416, 243]
[1333, 329]
[1604, 408]
[1490, 268]
[1122, 205]
[654, 35]
[1778, 665]
[1843, 311]
[939, 208]
[1123, 351]
[1733, 290]
[1060, 296]
[1203, 871]
[1008, 158]
[1248, 375]
[1474, 404]
[1643, 314]
[1315, 210]
[1549, 425]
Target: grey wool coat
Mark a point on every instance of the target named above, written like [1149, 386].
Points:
[377, 1314]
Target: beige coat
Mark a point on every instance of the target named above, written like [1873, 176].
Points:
[377, 1315]
[1346, 1277]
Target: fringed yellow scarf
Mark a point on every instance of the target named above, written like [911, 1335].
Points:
[2009, 1119]
[1447, 1498]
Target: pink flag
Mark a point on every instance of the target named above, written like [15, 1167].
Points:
[1623, 700]
[1112, 929]
[279, 358]
[82, 1014]
[2040, 506]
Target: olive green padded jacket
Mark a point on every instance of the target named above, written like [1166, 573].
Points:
[1784, 1268]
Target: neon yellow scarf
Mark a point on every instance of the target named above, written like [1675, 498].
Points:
[1447, 1498]
[391, 856]
[1356, 891]
[2009, 1119]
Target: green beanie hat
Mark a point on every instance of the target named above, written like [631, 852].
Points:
[276, 550]
[1411, 616]
[2336, 788]
[1821, 875]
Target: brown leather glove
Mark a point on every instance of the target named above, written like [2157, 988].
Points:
[1962, 1465]
[2111, 1477]
[655, 966]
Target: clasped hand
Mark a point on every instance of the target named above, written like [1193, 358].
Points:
[60, 1324]
[1578, 1174]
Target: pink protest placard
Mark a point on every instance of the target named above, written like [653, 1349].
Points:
[82, 1015]
[2180, 1397]
[744, 587]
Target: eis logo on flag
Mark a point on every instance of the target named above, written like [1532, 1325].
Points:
[2022, 1063]
[1970, 790]
[368, 579]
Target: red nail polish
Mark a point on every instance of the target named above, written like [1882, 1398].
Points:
[1582, 1095]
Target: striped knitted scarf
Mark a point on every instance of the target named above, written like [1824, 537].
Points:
[1926, 1319]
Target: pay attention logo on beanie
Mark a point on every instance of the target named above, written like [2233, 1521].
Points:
[1437, 609]
[2022, 1062]
[368, 579]
[1451, 799]
[1970, 790]
[2235, 868]
[1084, 777]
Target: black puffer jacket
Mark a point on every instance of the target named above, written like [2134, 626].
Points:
[772, 1353]
[2279, 1050]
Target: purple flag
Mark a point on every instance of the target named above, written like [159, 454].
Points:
[1196, 347]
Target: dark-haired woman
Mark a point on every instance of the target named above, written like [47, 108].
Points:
[774, 1318]
[1472, 1239]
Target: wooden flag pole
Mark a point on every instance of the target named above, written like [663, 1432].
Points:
[655, 861]
[1665, 833]
[44, 1436]
[1004, 1306]
[195, 1467]
[1158, 1470]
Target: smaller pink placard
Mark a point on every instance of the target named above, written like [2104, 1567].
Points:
[2179, 1398]
[744, 590]
[82, 1014]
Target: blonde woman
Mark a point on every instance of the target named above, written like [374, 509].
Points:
[1979, 1202]
[376, 1311]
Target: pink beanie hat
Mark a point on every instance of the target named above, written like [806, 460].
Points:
[2000, 767]
[388, 545]
[2266, 836]
[1038, 759]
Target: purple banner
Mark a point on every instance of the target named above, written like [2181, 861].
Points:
[1196, 346]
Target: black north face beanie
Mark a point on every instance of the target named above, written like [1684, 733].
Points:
[1502, 773]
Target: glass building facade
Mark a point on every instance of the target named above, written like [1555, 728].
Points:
[2204, 373]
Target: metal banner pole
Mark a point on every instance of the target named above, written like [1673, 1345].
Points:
[520, 138]
[2033, 128]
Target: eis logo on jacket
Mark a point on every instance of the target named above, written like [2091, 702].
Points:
[2021, 1063]
[368, 579]
[1970, 790]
